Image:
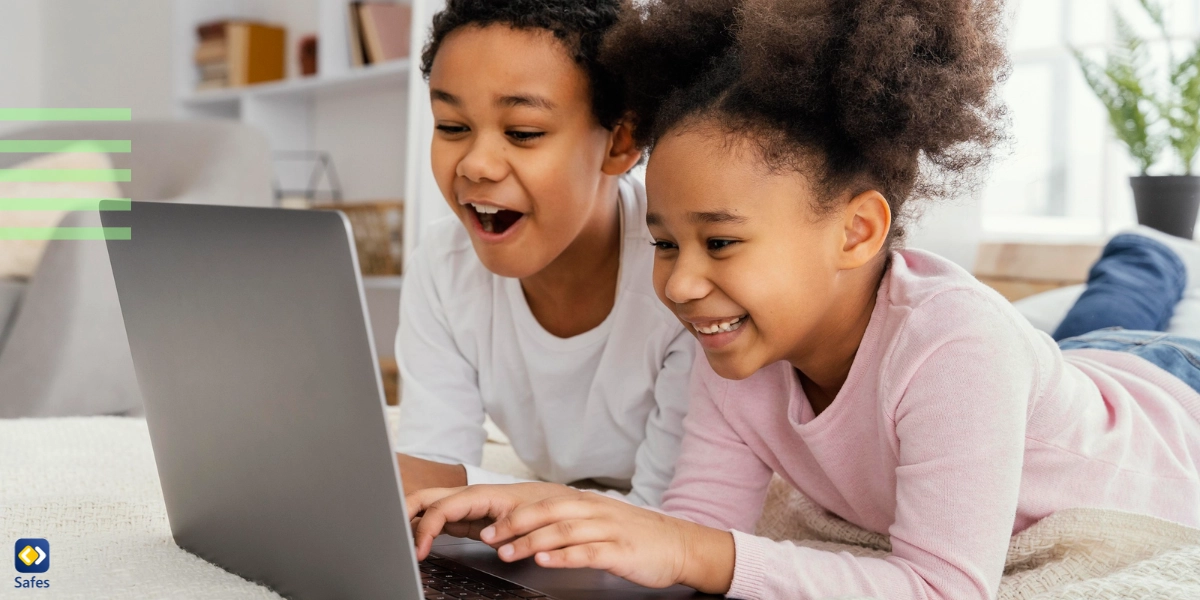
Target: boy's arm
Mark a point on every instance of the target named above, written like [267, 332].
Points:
[441, 412]
[654, 462]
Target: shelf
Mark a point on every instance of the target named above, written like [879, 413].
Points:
[383, 281]
[389, 75]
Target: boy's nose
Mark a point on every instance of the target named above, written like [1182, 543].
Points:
[483, 162]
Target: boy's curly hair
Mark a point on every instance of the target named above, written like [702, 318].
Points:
[893, 95]
[579, 24]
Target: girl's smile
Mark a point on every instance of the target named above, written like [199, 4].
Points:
[715, 333]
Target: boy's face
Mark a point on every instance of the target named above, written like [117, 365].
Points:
[517, 151]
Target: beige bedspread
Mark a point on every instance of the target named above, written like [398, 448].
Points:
[1073, 554]
[89, 486]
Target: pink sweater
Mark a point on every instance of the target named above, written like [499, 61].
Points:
[959, 425]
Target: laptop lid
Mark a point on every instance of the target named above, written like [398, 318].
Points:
[251, 344]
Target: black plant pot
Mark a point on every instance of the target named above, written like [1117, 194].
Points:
[1167, 203]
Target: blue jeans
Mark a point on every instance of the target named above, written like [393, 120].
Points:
[1131, 294]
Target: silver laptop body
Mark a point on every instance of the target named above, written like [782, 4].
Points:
[252, 347]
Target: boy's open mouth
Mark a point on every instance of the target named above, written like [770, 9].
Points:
[494, 219]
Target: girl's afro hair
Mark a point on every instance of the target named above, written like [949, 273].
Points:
[894, 95]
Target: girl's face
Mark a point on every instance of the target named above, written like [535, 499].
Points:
[517, 152]
[742, 258]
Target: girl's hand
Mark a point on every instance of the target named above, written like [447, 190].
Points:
[464, 511]
[583, 529]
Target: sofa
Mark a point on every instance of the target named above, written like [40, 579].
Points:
[63, 349]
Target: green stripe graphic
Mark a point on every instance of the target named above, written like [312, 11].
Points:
[110, 146]
[66, 114]
[65, 204]
[65, 233]
[60, 175]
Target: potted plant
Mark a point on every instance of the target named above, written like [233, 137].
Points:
[1148, 116]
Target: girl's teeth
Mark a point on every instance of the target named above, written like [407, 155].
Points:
[722, 327]
[485, 210]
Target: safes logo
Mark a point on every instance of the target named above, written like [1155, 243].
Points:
[31, 555]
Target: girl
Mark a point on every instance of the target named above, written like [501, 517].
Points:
[886, 384]
[534, 305]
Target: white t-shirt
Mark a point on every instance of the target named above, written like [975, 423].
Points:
[606, 405]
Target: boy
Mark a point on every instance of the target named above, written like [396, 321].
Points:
[535, 306]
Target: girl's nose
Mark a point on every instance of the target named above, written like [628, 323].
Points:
[687, 281]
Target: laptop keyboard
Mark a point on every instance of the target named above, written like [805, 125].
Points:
[444, 579]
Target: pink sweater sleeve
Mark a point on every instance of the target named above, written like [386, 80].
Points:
[958, 407]
[719, 481]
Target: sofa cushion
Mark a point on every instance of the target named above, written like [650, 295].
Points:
[11, 291]
[19, 258]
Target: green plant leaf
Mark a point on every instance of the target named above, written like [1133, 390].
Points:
[1118, 84]
[1182, 110]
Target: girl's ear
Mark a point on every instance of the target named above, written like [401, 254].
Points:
[623, 153]
[868, 219]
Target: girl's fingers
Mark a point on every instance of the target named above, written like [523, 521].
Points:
[525, 519]
[571, 532]
[596, 555]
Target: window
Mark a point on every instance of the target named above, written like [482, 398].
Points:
[1065, 176]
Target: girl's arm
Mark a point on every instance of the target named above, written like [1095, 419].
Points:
[960, 425]
[654, 462]
[719, 481]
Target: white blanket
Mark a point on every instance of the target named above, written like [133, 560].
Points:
[89, 486]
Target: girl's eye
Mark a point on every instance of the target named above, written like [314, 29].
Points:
[716, 244]
[661, 245]
[452, 129]
[525, 136]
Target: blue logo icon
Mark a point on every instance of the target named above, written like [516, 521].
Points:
[32, 555]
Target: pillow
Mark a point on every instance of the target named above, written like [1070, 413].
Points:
[1047, 309]
[19, 258]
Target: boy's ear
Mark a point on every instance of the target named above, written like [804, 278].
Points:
[623, 152]
[867, 221]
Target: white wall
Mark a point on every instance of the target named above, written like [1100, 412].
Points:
[952, 229]
[365, 136]
[20, 56]
[105, 53]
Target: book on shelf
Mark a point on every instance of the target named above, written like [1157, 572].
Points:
[213, 71]
[237, 53]
[209, 51]
[387, 29]
[358, 52]
[378, 32]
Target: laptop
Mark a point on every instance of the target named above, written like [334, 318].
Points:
[250, 339]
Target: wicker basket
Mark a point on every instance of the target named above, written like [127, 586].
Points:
[378, 234]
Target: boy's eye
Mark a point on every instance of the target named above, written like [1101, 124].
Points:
[662, 245]
[525, 136]
[717, 244]
[452, 129]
